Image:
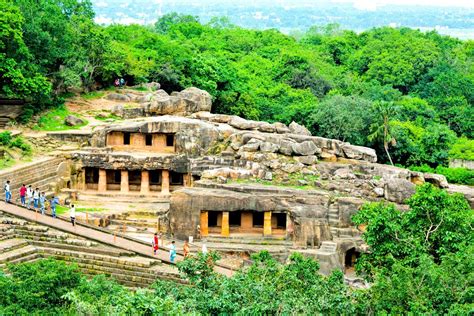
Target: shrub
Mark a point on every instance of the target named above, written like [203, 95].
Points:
[19, 142]
[5, 138]
[453, 175]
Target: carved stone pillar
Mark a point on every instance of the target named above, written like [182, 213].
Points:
[124, 181]
[267, 223]
[145, 185]
[102, 186]
[204, 223]
[225, 224]
[165, 181]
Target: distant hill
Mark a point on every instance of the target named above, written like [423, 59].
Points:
[292, 16]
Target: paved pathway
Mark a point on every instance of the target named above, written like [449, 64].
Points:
[97, 235]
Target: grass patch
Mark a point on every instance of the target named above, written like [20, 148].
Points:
[93, 95]
[110, 116]
[61, 209]
[292, 181]
[54, 120]
[139, 88]
[7, 162]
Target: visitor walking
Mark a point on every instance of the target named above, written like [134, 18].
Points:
[122, 82]
[186, 249]
[29, 195]
[36, 196]
[42, 200]
[8, 194]
[116, 83]
[204, 249]
[23, 195]
[172, 252]
[72, 214]
[155, 243]
[54, 201]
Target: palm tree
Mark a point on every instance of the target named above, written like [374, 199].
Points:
[380, 129]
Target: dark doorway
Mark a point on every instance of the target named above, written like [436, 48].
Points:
[235, 219]
[148, 139]
[92, 175]
[258, 219]
[170, 140]
[212, 219]
[134, 180]
[126, 138]
[280, 220]
[176, 178]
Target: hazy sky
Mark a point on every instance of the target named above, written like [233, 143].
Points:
[372, 4]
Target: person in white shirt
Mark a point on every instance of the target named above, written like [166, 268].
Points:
[204, 249]
[72, 214]
[36, 196]
[8, 194]
[29, 195]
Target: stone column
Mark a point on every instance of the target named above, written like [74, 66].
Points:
[165, 181]
[145, 185]
[124, 181]
[102, 186]
[204, 224]
[267, 223]
[225, 224]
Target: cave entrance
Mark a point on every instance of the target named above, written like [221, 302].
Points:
[350, 259]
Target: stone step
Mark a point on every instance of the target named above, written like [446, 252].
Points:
[12, 244]
[328, 246]
[134, 223]
[29, 258]
[125, 261]
[250, 240]
[17, 253]
[96, 196]
[94, 250]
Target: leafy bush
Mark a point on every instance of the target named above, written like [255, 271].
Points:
[19, 142]
[5, 138]
[453, 175]
[462, 149]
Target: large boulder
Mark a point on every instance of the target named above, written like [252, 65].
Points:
[281, 128]
[306, 148]
[436, 179]
[72, 120]
[398, 190]
[241, 123]
[296, 128]
[118, 97]
[359, 152]
[196, 99]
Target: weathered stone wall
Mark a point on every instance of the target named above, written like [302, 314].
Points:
[307, 210]
[461, 163]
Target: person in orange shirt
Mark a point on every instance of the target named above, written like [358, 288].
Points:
[186, 249]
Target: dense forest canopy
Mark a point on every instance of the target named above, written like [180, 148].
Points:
[406, 93]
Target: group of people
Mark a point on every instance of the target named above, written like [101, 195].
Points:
[119, 82]
[32, 198]
[172, 251]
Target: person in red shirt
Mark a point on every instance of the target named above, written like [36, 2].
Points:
[22, 195]
[155, 243]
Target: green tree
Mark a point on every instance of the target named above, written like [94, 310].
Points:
[380, 128]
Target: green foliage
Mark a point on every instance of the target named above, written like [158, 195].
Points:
[462, 149]
[36, 287]
[7, 140]
[54, 120]
[342, 117]
[437, 223]
[407, 93]
[453, 175]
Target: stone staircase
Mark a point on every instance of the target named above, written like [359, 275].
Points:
[328, 247]
[23, 241]
[40, 174]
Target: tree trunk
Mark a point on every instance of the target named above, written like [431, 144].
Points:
[385, 146]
